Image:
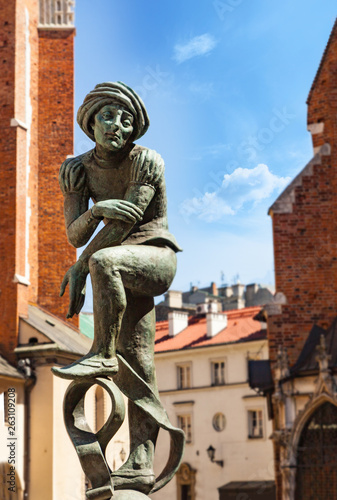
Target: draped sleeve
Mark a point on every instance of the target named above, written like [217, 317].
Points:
[72, 177]
[147, 168]
[147, 171]
[73, 184]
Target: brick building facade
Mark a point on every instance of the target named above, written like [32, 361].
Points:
[36, 100]
[301, 332]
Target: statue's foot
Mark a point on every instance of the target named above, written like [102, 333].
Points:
[91, 365]
[141, 480]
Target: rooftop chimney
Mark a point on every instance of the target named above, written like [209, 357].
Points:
[238, 290]
[178, 321]
[215, 323]
[214, 288]
[174, 299]
[251, 291]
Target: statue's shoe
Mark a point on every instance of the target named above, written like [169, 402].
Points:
[141, 480]
[88, 367]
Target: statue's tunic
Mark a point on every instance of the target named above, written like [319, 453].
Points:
[104, 182]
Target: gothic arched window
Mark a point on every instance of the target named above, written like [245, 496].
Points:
[316, 476]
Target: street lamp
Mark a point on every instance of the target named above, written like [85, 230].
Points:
[211, 454]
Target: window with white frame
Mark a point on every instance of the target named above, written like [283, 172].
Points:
[184, 378]
[218, 372]
[255, 424]
[185, 423]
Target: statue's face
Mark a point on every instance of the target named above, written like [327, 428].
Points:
[112, 127]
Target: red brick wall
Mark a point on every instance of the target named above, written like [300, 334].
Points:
[305, 240]
[305, 252]
[322, 100]
[305, 234]
[19, 53]
[8, 142]
[56, 110]
[31, 225]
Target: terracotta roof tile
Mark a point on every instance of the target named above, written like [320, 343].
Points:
[241, 327]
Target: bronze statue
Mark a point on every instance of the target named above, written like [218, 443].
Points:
[131, 260]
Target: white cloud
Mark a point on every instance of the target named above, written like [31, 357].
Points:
[197, 46]
[251, 185]
[209, 207]
[243, 186]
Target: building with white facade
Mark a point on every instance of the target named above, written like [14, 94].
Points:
[202, 371]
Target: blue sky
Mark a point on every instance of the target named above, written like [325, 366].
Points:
[225, 83]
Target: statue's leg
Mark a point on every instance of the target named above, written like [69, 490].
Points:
[136, 345]
[144, 270]
[109, 303]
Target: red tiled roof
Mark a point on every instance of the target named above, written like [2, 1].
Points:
[241, 327]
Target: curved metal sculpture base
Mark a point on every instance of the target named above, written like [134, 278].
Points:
[91, 446]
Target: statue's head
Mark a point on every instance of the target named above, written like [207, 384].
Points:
[112, 114]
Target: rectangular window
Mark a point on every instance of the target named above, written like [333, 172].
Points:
[255, 424]
[218, 372]
[184, 376]
[185, 423]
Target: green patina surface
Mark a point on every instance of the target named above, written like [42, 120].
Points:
[131, 260]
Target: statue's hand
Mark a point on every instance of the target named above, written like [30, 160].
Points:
[117, 209]
[76, 277]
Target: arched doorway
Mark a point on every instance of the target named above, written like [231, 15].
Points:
[186, 482]
[316, 476]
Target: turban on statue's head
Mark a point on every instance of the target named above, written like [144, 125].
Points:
[108, 93]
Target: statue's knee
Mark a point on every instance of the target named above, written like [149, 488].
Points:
[102, 265]
[98, 262]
